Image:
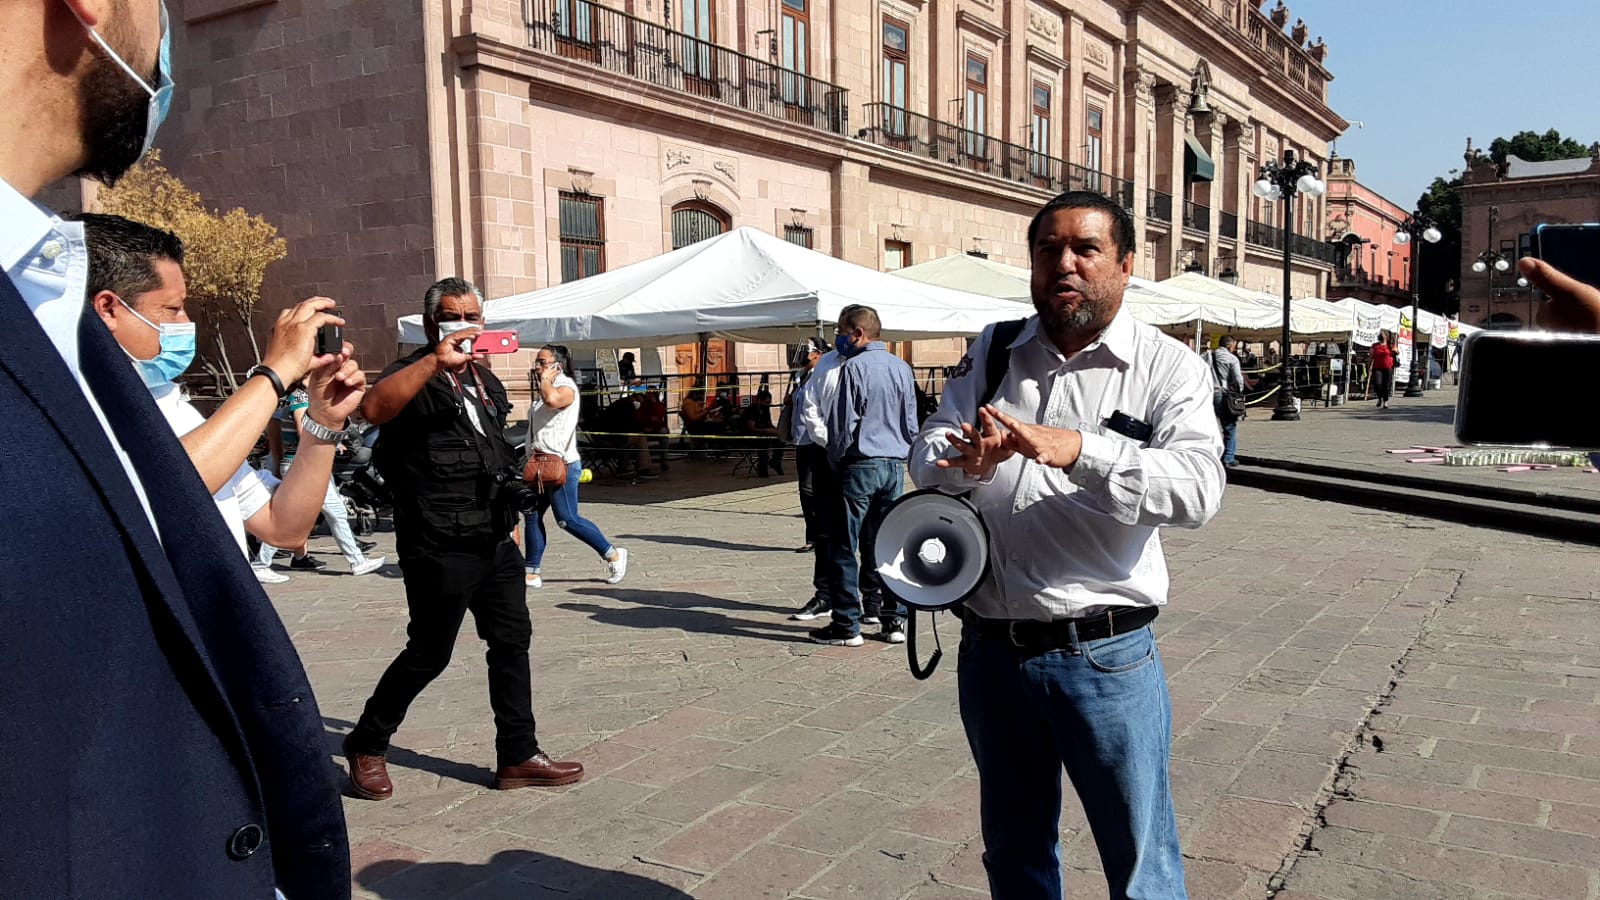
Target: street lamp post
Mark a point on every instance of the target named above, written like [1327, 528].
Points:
[1281, 181]
[1416, 226]
[1491, 260]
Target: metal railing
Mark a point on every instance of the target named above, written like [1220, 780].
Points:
[1228, 225]
[1158, 206]
[1196, 216]
[1263, 235]
[587, 32]
[900, 129]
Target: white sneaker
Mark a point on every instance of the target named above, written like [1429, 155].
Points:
[267, 576]
[532, 579]
[368, 566]
[617, 568]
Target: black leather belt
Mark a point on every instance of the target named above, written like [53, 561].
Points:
[1057, 635]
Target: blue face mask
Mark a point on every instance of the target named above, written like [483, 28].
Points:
[177, 351]
[842, 344]
[161, 94]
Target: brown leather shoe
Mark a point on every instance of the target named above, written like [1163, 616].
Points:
[369, 775]
[537, 771]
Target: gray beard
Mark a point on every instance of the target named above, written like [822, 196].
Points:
[1091, 315]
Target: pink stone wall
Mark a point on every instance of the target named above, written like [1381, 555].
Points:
[313, 116]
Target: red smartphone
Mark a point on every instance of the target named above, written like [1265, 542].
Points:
[494, 342]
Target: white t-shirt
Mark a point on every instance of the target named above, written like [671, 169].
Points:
[246, 493]
[555, 430]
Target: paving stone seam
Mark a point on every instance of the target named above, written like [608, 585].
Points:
[1345, 771]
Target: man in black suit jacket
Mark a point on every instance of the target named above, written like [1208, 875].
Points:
[161, 736]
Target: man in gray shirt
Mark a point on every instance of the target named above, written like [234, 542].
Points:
[1226, 375]
[870, 429]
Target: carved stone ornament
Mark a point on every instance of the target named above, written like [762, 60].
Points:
[1280, 14]
[727, 169]
[1318, 50]
[582, 181]
[1142, 81]
[1044, 24]
[1097, 53]
[677, 158]
[1300, 32]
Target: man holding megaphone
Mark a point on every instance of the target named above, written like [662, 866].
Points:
[1097, 431]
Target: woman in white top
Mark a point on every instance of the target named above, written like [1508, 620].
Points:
[553, 428]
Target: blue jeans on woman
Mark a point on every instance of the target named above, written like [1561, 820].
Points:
[1100, 710]
[564, 501]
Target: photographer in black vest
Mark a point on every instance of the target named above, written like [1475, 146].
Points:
[457, 495]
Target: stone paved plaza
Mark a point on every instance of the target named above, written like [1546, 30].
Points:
[1366, 706]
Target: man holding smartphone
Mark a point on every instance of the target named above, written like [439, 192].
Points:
[457, 495]
[136, 287]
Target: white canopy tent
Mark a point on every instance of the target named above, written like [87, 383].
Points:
[995, 279]
[1306, 320]
[745, 285]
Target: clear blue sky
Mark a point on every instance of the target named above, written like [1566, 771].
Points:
[1424, 74]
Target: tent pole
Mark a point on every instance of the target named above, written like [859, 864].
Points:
[1349, 360]
[1199, 342]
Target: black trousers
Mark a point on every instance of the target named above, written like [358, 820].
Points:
[819, 503]
[440, 588]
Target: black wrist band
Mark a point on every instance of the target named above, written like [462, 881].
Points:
[277, 383]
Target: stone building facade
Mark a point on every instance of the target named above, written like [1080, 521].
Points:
[1368, 264]
[521, 143]
[1500, 205]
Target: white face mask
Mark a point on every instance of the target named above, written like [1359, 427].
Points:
[448, 328]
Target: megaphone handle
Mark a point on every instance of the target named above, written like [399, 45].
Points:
[917, 672]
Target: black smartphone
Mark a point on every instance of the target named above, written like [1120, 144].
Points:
[1528, 389]
[1574, 249]
[330, 339]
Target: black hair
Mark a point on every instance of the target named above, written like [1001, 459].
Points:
[447, 287]
[1121, 219]
[123, 253]
[864, 318]
[1227, 341]
[559, 351]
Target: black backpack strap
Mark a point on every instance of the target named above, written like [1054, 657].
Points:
[998, 359]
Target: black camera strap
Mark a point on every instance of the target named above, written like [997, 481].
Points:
[479, 437]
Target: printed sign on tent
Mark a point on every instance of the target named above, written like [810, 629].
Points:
[1367, 327]
[1402, 363]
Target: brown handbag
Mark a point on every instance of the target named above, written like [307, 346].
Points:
[545, 471]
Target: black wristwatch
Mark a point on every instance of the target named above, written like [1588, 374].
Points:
[277, 383]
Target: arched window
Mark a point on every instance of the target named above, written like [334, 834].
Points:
[694, 221]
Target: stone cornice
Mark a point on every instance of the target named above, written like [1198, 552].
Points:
[965, 19]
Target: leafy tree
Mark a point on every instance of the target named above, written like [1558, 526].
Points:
[226, 255]
[1535, 147]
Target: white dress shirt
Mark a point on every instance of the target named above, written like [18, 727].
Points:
[815, 400]
[47, 261]
[1075, 542]
[247, 492]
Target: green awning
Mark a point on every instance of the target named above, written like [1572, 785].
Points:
[1197, 163]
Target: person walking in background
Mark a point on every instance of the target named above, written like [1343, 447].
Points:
[1227, 377]
[870, 429]
[553, 429]
[1383, 360]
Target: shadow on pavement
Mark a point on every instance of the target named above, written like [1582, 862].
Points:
[400, 756]
[675, 609]
[707, 543]
[509, 873]
[1423, 415]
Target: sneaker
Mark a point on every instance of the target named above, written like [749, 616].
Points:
[307, 563]
[618, 567]
[532, 579]
[366, 546]
[894, 630]
[814, 607]
[267, 576]
[836, 635]
[368, 566]
[870, 612]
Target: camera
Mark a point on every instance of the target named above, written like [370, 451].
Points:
[510, 491]
[330, 340]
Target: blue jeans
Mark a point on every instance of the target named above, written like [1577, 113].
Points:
[1230, 441]
[564, 501]
[1099, 709]
[867, 487]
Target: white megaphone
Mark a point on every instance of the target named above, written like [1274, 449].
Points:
[932, 552]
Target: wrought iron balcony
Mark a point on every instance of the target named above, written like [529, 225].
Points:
[1263, 235]
[587, 32]
[1158, 206]
[899, 129]
[1228, 225]
[1196, 216]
